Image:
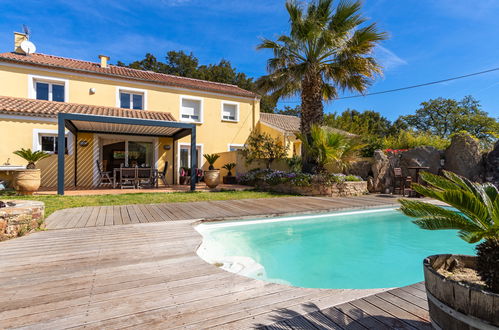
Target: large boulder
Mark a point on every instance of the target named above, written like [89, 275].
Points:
[491, 166]
[361, 168]
[382, 172]
[420, 157]
[463, 157]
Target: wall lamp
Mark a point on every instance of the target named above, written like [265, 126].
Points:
[167, 147]
[83, 143]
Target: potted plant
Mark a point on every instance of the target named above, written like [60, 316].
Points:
[212, 175]
[27, 181]
[462, 291]
[229, 178]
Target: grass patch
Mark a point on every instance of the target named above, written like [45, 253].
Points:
[55, 202]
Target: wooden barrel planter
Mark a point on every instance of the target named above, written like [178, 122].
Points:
[457, 305]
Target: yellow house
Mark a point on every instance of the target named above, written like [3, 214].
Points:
[36, 88]
[284, 128]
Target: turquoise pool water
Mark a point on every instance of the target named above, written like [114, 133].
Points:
[352, 250]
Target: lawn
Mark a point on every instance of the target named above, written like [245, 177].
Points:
[55, 202]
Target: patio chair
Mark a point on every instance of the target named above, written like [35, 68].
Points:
[161, 176]
[104, 177]
[145, 177]
[401, 183]
[128, 177]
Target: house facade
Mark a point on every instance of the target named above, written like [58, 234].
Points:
[35, 87]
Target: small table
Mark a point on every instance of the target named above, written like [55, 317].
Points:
[417, 169]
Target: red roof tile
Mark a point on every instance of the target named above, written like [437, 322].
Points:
[124, 73]
[30, 107]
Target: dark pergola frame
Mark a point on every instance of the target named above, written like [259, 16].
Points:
[64, 120]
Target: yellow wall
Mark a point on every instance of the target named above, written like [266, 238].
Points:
[213, 134]
[292, 143]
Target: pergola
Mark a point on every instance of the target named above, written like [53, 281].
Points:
[84, 123]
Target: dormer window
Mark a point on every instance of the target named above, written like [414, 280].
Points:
[128, 98]
[48, 89]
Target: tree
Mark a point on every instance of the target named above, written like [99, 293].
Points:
[326, 50]
[367, 123]
[261, 146]
[476, 217]
[443, 117]
[329, 148]
[289, 111]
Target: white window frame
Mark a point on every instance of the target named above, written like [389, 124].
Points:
[222, 111]
[201, 106]
[129, 90]
[234, 145]
[37, 139]
[201, 157]
[33, 79]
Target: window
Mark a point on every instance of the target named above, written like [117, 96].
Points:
[49, 91]
[230, 111]
[49, 144]
[235, 147]
[131, 100]
[185, 156]
[191, 110]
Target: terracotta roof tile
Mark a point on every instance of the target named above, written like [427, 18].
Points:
[282, 122]
[124, 73]
[30, 107]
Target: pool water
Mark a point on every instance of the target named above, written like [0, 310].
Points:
[345, 250]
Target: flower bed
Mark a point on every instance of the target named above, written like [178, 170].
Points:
[304, 183]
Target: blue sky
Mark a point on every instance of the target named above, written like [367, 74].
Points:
[429, 40]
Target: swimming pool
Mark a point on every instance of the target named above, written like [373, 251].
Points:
[378, 248]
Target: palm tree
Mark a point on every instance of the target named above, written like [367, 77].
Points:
[476, 218]
[327, 50]
[31, 156]
[328, 147]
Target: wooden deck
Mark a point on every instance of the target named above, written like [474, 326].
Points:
[264, 207]
[148, 275]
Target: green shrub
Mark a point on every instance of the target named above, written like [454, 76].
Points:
[408, 140]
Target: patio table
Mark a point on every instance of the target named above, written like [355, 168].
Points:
[116, 173]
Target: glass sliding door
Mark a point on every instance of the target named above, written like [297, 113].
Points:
[140, 154]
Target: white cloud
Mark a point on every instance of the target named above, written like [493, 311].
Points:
[388, 59]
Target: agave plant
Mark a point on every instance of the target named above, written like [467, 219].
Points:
[211, 159]
[229, 167]
[31, 156]
[476, 218]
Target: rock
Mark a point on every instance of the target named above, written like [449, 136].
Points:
[420, 157]
[361, 168]
[463, 157]
[382, 171]
[491, 166]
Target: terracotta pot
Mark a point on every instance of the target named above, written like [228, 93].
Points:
[458, 305]
[26, 182]
[212, 178]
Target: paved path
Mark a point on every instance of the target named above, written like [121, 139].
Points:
[147, 275]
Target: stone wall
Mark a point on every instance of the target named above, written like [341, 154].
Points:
[344, 189]
[20, 219]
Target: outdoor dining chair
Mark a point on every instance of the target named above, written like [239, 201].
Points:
[104, 177]
[401, 183]
[161, 176]
[145, 177]
[128, 177]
